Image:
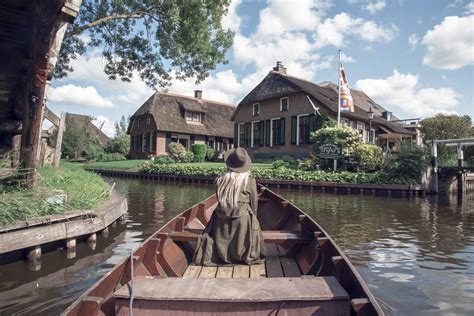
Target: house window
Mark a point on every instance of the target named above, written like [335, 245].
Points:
[182, 139]
[256, 109]
[303, 129]
[148, 120]
[193, 116]
[345, 121]
[277, 131]
[211, 142]
[257, 131]
[361, 128]
[284, 106]
[241, 134]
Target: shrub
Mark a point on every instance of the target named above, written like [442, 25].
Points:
[177, 152]
[370, 157]
[188, 157]
[410, 163]
[278, 164]
[199, 151]
[344, 135]
[211, 154]
[113, 157]
[165, 160]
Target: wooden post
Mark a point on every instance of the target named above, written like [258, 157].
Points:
[59, 140]
[434, 164]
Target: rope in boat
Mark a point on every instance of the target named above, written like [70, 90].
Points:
[130, 306]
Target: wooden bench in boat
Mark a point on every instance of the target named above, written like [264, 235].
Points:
[270, 236]
[263, 296]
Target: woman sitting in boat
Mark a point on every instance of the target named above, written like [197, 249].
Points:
[233, 234]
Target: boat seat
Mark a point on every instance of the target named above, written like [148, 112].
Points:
[269, 236]
[302, 296]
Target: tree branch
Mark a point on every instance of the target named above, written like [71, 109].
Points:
[80, 29]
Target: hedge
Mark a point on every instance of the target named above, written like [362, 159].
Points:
[280, 174]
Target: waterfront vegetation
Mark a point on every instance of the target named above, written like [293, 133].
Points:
[82, 190]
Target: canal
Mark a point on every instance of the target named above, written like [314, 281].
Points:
[416, 254]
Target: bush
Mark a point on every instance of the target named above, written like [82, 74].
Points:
[164, 160]
[119, 144]
[410, 163]
[211, 154]
[113, 157]
[278, 164]
[370, 157]
[188, 157]
[343, 135]
[199, 151]
[177, 152]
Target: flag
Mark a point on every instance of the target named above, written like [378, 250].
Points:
[347, 103]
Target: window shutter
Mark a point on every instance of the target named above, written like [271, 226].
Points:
[282, 131]
[312, 126]
[248, 126]
[153, 142]
[267, 132]
[168, 141]
[262, 133]
[293, 129]
[236, 134]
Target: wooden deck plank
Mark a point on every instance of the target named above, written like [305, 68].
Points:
[290, 267]
[272, 250]
[208, 273]
[273, 267]
[241, 272]
[192, 272]
[224, 272]
[257, 271]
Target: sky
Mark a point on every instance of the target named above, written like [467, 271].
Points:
[414, 57]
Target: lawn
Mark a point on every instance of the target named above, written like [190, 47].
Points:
[133, 165]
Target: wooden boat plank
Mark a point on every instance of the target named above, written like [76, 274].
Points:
[290, 267]
[273, 267]
[257, 271]
[208, 272]
[192, 271]
[241, 271]
[224, 272]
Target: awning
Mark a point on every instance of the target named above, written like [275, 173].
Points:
[394, 136]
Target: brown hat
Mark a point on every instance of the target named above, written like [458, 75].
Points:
[237, 160]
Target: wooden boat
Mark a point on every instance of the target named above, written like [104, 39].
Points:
[305, 273]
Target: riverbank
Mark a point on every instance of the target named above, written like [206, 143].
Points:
[57, 191]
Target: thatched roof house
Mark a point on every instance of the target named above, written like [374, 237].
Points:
[84, 122]
[168, 117]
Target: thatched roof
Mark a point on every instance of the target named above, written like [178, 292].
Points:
[276, 84]
[168, 111]
[84, 121]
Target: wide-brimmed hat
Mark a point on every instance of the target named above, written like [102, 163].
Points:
[237, 160]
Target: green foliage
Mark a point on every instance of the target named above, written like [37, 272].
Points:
[199, 151]
[177, 152]
[84, 191]
[78, 142]
[324, 120]
[188, 157]
[211, 154]
[152, 38]
[113, 157]
[115, 165]
[410, 163]
[278, 164]
[344, 135]
[163, 160]
[370, 157]
[119, 144]
[279, 174]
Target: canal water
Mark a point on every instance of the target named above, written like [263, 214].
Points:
[416, 254]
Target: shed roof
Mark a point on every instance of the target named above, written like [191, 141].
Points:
[85, 122]
[168, 111]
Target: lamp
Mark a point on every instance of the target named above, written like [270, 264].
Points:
[370, 115]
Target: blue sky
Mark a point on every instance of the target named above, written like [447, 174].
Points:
[413, 57]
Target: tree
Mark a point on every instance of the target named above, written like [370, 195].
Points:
[153, 38]
[121, 142]
[78, 142]
[446, 126]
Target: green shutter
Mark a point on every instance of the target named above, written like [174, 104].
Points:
[248, 126]
[267, 132]
[262, 133]
[282, 131]
[293, 129]
[236, 134]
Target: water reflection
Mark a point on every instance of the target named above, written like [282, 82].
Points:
[416, 254]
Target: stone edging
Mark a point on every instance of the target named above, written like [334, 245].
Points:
[21, 236]
[369, 188]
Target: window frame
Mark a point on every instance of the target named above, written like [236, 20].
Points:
[287, 104]
[271, 131]
[240, 129]
[255, 113]
[298, 127]
[252, 139]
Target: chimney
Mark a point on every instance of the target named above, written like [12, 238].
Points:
[198, 94]
[387, 115]
[280, 68]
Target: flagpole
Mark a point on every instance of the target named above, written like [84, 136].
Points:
[339, 90]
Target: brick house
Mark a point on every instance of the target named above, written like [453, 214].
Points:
[277, 116]
[167, 117]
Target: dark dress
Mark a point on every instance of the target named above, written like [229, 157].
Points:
[232, 236]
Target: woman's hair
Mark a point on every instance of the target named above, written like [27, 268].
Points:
[229, 186]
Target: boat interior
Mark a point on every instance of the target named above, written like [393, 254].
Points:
[304, 272]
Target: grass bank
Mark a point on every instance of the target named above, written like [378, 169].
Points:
[84, 190]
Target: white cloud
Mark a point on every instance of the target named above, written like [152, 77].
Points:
[450, 45]
[419, 21]
[282, 16]
[333, 30]
[75, 95]
[413, 40]
[232, 20]
[404, 91]
[347, 59]
[374, 7]
[105, 125]
[469, 8]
